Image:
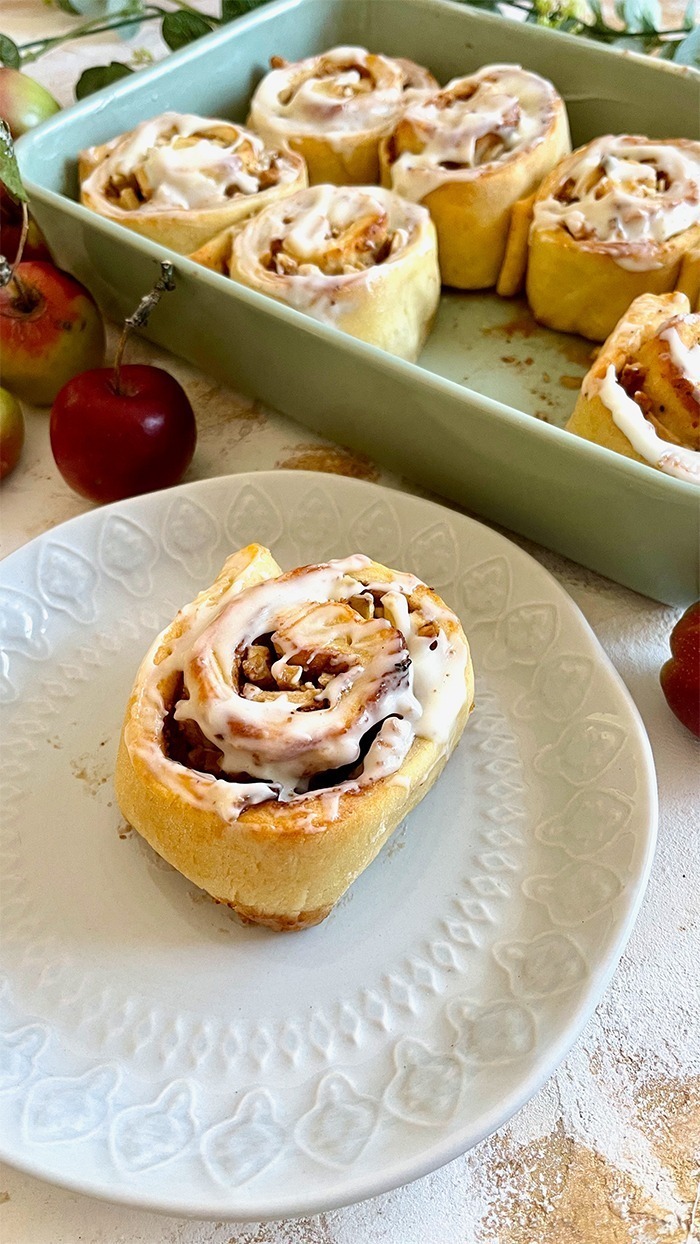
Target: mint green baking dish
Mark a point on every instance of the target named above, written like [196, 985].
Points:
[476, 419]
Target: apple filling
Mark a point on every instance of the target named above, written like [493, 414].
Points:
[307, 677]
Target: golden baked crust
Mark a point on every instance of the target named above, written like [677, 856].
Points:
[639, 356]
[280, 864]
[468, 153]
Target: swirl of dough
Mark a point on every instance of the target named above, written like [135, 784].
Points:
[357, 257]
[470, 152]
[625, 196]
[616, 219]
[334, 108]
[271, 686]
[180, 179]
[283, 725]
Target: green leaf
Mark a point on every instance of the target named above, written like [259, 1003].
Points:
[181, 28]
[65, 6]
[231, 9]
[94, 79]
[688, 50]
[692, 14]
[9, 170]
[9, 52]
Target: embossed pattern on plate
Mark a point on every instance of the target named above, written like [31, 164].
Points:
[140, 1057]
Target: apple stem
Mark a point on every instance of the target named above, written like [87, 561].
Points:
[141, 316]
[8, 272]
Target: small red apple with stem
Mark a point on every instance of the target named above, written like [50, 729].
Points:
[50, 328]
[119, 431]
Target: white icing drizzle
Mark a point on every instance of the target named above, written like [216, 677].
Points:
[346, 90]
[628, 196]
[504, 104]
[321, 242]
[629, 418]
[686, 359]
[195, 175]
[389, 679]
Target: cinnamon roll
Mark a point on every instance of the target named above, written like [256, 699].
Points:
[356, 257]
[469, 152]
[616, 219]
[181, 179]
[284, 724]
[334, 109]
[642, 395]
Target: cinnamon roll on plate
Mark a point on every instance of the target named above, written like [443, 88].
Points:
[617, 218]
[357, 257]
[469, 152]
[642, 394]
[284, 724]
[334, 108]
[180, 179]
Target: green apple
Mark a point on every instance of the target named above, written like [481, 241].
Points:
[11, 432]
[24, 103]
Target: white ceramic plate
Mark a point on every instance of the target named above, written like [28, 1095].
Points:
[155, 1051]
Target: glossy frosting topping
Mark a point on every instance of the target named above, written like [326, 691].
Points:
[485, 119]
[629, 417]
[345, 90]
[652, 388]
[186, 162]
[326, 238]
[626, 195]
[307, 684]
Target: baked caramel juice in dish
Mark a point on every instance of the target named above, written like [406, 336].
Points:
[617, 218]
[284, 724]
[180, 179]
[469, 152]
[357, 257]
[642, 394]
[334, 109]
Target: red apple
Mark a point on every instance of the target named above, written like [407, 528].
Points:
[11, 432]
[680, 676]
[111, 442]
[11, 230]
[48, 332]
[24, 103]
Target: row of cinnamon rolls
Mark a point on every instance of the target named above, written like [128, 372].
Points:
[479, 188]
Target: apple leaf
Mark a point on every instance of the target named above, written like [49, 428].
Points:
[94, 79]
[231, 9]
[9, 170]
[9, 52]
[181, 28]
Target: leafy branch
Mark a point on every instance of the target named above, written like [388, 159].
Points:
[179, 26]
[639, 26]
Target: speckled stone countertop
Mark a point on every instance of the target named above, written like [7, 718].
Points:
[609, 1151]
